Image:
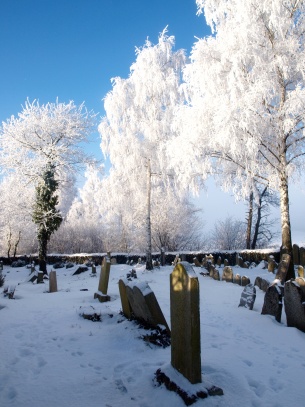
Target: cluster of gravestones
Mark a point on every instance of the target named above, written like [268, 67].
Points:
[228, 276]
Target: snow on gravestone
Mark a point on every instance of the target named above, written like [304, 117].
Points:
[248, 296]
[283, 268]
[227, 274]
[273, 301]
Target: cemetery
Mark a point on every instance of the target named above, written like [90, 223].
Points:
[176, 335]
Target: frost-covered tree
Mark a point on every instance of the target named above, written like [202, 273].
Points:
[228, 234]
[16, 228]
[44, 137]
[138, 121]
[246, 93]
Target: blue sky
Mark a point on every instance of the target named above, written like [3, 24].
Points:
[71, 49]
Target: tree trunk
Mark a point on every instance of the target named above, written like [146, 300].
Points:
[258, 219]
[285, 223]
[249, 221]
[17, 243]
[42, 251]
[149, 265]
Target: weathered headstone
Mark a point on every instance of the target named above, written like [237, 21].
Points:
[101, 295]
[196, 262]
[248, 296]
[300, 271]
[245, 281]
[283, 268]
[40, 277]
[296, 254]
[126, 308]
[52, 282]
[215, 274]
[185, 322]
[219, 261]
[237, 279]
[271, 264]
[258, 282]
[273, 302]
[302, 256]
[93, 269]
[294, 300]
[113, 260]
[264, 284]
[227, 274]
[226, 262]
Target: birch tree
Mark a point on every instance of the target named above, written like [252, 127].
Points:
[246, 95]
[139, 112]
[42, 138]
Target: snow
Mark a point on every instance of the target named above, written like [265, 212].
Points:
[50, 355]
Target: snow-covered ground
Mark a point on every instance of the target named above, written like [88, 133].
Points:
[51, 356]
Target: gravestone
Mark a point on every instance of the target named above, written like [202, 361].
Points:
[93, 269]
[101, 295]
[245, 281]
[40, 277]
[294, 300]
[226, 262]
[273, 302]
[52, 282]
[237, 279]
[271, 264]
[215, 274]
[300, 271]
[185, 322]
[196, 262]
[113, 261]
[139, 302]
[265, 284]
[227, 274]
[176, 260]
[302, 256]
[248, 296]
[296, 254]
[219, 261]
[258, 282]
[283, 268]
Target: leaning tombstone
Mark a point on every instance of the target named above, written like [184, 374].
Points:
[215, 274]
[300, 271]
[126, 308]
[296, 254]
[227, 274]
[273, 302]
[101, 294]
[294, 300]
[185, 326]
[265, 284]
[52, 282]
[258, 282]
[248, 296]
[196, 262]
[245, 281]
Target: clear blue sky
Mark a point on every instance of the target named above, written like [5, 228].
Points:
[70, 49]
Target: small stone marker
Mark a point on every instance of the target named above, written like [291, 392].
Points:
[226, 262]
[258, 282]
[301, 271]
[185, 322]
[248, 296]
[52, 282]
[101, 295]
[296, 254]
[219, 261]
[302, 256]
[245, 281]
[215, 274]
[237, 279]
[283, 268]
[40, 277]
[227, 274]
[113, 260]
[93, 269]
[196, 262]
[126, 308]
[264, 284]
[271, 264]
[273, 302]
[294, 300]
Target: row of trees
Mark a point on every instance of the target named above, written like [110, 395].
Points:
[234, 109]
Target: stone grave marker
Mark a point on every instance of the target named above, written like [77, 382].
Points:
[215, 274]
[273, 302]
[196, 262]
[101, 295]
[52, 282]
[300, 271]
[248, 296]
[265, 284]
[93, 269]
[40, 277]
[226, 262]
[271, 264]
[258, 282]
[294, 300]
[227, 274]
[185, 326]
[296, 254]
[283, 268]
[302, 256]
[245, 281]
[237, 279]
[126, 308]
[219, 261]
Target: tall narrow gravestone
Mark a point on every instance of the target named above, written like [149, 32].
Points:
[101, 295]
[52, 282]
[185, 322]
